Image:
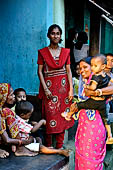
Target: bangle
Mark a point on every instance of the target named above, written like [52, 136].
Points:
[20, 142]
[46, 89]
[99, 91]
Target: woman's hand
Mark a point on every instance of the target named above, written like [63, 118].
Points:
[26, 142]
[70, 97]
[48, 93]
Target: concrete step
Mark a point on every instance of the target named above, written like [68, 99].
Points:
[39, 162]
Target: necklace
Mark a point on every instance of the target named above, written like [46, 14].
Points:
[55, 52]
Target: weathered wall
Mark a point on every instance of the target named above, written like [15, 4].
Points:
[23, 29]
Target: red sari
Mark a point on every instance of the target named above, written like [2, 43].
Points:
[7, 117]
[56, 79]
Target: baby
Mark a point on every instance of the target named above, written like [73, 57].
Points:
[99, 80]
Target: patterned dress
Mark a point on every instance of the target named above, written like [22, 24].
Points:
[56, 79]
[90, 143]
[7, 116]
[90, 138]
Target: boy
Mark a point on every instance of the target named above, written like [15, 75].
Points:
[24, 110]
[99, 80]
[20, 94]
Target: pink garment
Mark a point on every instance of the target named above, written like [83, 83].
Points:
[90, 143]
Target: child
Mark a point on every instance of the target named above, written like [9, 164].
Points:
[99, 80]
[20, 94]
[24, 110]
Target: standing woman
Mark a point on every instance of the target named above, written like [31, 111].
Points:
[90, 137]
[56, 89]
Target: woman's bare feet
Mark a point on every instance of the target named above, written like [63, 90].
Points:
[22, 151]
[65, 115]
[3, 154]
[65, 152]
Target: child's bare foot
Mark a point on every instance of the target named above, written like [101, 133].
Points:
[65, 152]
[22, 151]
[63, 114]
[109, 140]
[51, 147]
[66, 115]
[3, 153]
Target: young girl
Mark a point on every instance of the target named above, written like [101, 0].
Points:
[56, 88]
[99, 80]
[24, 110]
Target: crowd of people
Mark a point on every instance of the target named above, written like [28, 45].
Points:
[86, 95]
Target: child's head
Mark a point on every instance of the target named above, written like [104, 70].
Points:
[109, 57]
[98, 63]
[20, 94]
[24, 109]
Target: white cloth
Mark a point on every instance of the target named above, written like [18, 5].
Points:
[82, 53]
[33, 147]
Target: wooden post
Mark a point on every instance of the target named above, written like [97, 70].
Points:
[94, 32]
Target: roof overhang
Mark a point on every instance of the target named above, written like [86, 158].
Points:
[106, 15]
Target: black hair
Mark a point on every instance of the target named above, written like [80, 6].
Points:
[50, 29]
[23, 107]
[109, 54]
[87, 60]
[82, 38]
[16, 91]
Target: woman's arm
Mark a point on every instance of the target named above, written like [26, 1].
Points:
[105, 91]
[70, 82]
[40, 68]
[15, 141]
[108, 90]
[46, 90]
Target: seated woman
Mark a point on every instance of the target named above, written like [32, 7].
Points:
[7, 118]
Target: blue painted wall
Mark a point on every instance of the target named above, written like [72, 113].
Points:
[23, 29]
